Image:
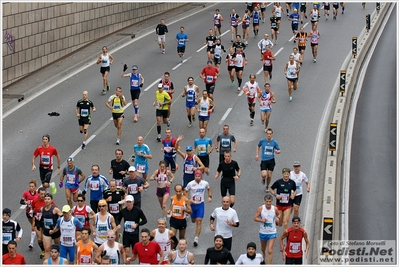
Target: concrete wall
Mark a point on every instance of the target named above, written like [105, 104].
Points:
[37, 34]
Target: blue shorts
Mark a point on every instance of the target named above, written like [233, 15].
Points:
[141, 167]
[266, 110]
[64, 251]
[198, 210]
[203, 118]
[295, 5]
[267, 237]
[190, 104]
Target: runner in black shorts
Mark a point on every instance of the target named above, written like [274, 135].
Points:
[230, 174]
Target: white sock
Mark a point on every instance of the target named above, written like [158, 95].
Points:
[32, 237]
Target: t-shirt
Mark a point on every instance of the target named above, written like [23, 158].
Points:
[284, 189]
[147, 254]
[84, 107]
[18, 260]
[268, 147]
[160, 99]
[181, 39]
[244, 260]
[221, 226]
[46, 156]
[210, 74]
[225, 142]
[202, 146]
[197, 191]
[218, 256]
[228, 170]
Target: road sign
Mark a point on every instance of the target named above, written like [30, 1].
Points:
[377, 7]
[333, 137]
[342, 81]
[327, 229]
[354, 47]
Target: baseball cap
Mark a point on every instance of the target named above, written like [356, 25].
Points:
[209, 61]
[70, 159]
[132, 169]
[266, 34]
[286, 170]
[296, 163]
[134, 67]
[102, 202]
[198, 172]
[189, 148]
[129, 198]
[160, 85]
[7, 211]
[66, 208]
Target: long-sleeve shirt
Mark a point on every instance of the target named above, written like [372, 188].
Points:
[97, 186]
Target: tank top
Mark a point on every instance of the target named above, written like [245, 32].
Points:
[82, 215]
[49, 219]
[230, 60]
[302, 39]
[294, 243]
[166, 87]
[105, 60]
[296, 56]
[164, 242]
[68, 230]
[255, 17]
[239, 60]
[278, 12]
[266, 58]
[113, 253]
[268, 227]
[265, 100]
[314, 39]
[50, 262]
[217, 50]
[189, 163]
[216, 19]
[181, 260]
[233, 19]
[178, 208]
[101, 229]
[315, 15]
[134, 81]
[71, 177]
[204, 107]
[291, 69]
[190, 94]
[162, 178]
[117, 104]
[247, 20]
[84, 253]
[168, 148]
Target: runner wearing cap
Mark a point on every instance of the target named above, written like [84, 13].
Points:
[284, 190]
[191, 162]
[116, 104]
[136, 82]
[46, 153]
[205, 106]
[298, 177]
[134, 185]
[67, 227]
[102, 222]
[251, 257]
[209, 74]
[132, 217]
[164, 179]
[161, 102]
[292, 250]
[73, 180]
[55, 258]
[11, 230]
[195, 191]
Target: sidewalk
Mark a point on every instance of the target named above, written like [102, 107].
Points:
[21, 90]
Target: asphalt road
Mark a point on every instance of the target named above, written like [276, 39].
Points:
[373, 180]
[295, 124]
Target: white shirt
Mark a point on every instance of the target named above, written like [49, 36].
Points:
[197, 191]
[244, 260]
[298, 179]
[221, 226]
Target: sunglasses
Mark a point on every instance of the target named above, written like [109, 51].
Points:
[102, 206]
[110, 236]
[80, 200]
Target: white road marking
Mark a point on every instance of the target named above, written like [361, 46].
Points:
[225, 115]
[151, 85]
[178, 65]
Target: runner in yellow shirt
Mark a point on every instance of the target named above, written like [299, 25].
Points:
[161, 102]
[116, 103]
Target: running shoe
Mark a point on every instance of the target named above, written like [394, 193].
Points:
[136, 118]
[108, 86]
[233, 84]
[265, 129]
[263, 181]
[314, 60]
[294, 41]
[238, 89]
[103, 92]
[270, 76]
[163, 51]
[290, 98]
[42, 255]
[252, 122]
[335, 17]
[159, 138]
[301, 22]
[306, 17]
[195, 241]
[193, 118]
[190, 124]
[83, 145]
[263, 122]
[30, 245]
[263, 20]
[267, 189]
[53, 188]
[168, 123]
[118, 141]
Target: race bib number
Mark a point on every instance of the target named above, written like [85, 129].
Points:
[6, 238]
[190, 98]
[217, 55]
[113, 207]
[197, 199]
[119, 183]
[67, 240]
[38, 216]
[284, 198]
[84, 112]
[129, 226]
[132, 188]
[274, 25]
[117, 106]
[47, 223]
[209, 78]
[181, 41]
[267, 62]
[45, 159]
[70, 179]
[85, 259]
[135, 83]
[177, 211]
[294, 247]
[188, 169]
[95, 185]
[141, 168]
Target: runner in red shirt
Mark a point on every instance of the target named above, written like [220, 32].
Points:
[292, 253]
[147, 251]
[210, 74]
[12, 257]
[26, 199]
[46, 153]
